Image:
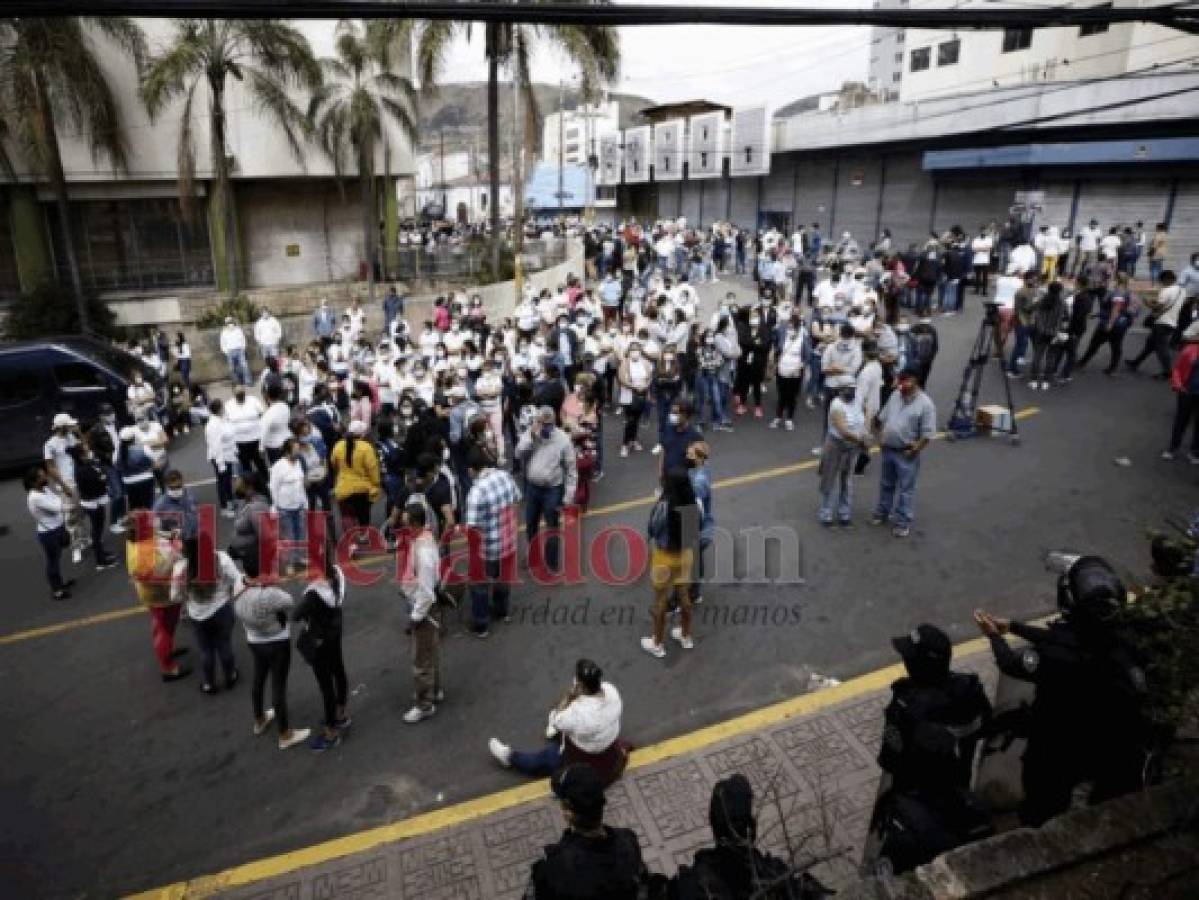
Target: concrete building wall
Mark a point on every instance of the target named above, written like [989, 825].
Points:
[1054, 54]
[322, 229]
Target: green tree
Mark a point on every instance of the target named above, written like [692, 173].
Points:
[349, 112]
[268, 58]
[50, 74]
[594, 49]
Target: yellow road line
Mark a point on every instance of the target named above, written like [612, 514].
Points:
[470, 810]
[622, 506]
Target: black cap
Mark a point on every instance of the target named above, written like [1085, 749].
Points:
[926, 642]
[581, 787]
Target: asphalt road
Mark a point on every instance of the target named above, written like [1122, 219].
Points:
[115, 781]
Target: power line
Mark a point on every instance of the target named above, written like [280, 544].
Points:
[561, 13]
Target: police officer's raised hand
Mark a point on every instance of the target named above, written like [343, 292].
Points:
[989, 625]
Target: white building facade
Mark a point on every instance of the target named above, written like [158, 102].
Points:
[942, 63]
[887, 57]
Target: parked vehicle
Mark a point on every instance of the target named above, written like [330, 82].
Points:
[75, 375]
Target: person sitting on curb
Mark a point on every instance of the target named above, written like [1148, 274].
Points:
[583, 728]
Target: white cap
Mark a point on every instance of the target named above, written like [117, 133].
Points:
[63, 420]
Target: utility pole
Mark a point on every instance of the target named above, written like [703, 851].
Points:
[444, 202]
[561, 145]
[518, 203]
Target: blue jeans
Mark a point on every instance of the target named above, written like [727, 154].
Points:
[898, 472]
[815, 385]
[1155, 270]
[185, 372]
[52, 545]
[951, 295]
[539, 763]
[490, 597]
[239, 369]
[725, 388]
[544, 502]
[843, 491]
[707, 391]
[116, 494]
[1019, 349]
[291, 529]
[224, 485]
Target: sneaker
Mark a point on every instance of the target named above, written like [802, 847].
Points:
[482, 634]
[418, 714]
[758, 410]
[267, 718]
[596, 477]
[298, 736]
[637, 446]
[697, 600]
[789, 425]
[901, 531]
[501, 751]
[655, 650]
[624, 452]
[209, 688]
[320, 742]
[343, 723]
[117, 528]
[1012, 374]
[809, 404]
[105, 564]
[439, 697]
[656, 450]
[1044, 385]
[62, 594]
[816, 451]
[177, 673]
[1034, 385]
[774, 423]
[740, 410]
[685, 641]
[876, 519]
[1065, 380]
[725, 426]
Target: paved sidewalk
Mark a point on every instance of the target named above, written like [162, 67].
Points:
[810, 759]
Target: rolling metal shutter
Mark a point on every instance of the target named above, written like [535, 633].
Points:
[714, 198]
[907, 200]
[972, 202]
[1055, 209]
[690, 206]
[778, 188]
[668, 200]
[1184, 228]
[1123, 202]
[858, 180]
[814, 191]
[745, 202]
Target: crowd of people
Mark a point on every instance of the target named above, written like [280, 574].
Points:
[446, 426]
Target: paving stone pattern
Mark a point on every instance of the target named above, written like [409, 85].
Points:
[814, 781]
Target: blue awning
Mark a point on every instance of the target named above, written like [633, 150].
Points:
[1150, 150]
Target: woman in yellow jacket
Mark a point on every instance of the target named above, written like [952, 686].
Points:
[356, 484]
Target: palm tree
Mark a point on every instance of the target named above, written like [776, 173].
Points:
[594, 49]
[350, 110]
[50, 73]
[268, 58]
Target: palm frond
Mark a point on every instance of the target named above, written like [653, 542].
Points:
[279, 50]
[271, 97]
[186, 154]
[167, 75]
[126, 34]
[432, 48]
[389, 41]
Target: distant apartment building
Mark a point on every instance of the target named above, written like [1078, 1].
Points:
[886, 64]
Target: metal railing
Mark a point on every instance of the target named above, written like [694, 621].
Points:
[470, 262]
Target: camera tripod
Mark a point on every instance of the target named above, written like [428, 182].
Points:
[961, 422]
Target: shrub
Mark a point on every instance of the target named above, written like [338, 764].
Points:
[50, 309]
[240, 308]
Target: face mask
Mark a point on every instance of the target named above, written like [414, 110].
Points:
[405, 411]
[673, 418]
[635, 355]
[709, 342]
[755, 321]
[498, 361]
[546, 430]
[174, 493]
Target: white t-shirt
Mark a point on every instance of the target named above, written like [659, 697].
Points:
[1110, 245]
[152, 439]
[276, 425]
[55, 449]
[791, 357]
[592, 722]
[1169, 302]
[1005, 290]
[1088, 239]
[245, 419]
[981, 247]
[46, 507]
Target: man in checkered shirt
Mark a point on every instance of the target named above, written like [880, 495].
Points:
[491, 514]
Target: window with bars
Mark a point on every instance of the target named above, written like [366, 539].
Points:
[949, 52]
[921, 59]
[1016, 39]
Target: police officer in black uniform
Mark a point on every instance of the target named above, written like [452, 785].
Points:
[1085, 722]
[931, 728]
[735, 869]
[592, 861]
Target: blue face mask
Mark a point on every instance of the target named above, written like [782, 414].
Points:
[546, 430]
